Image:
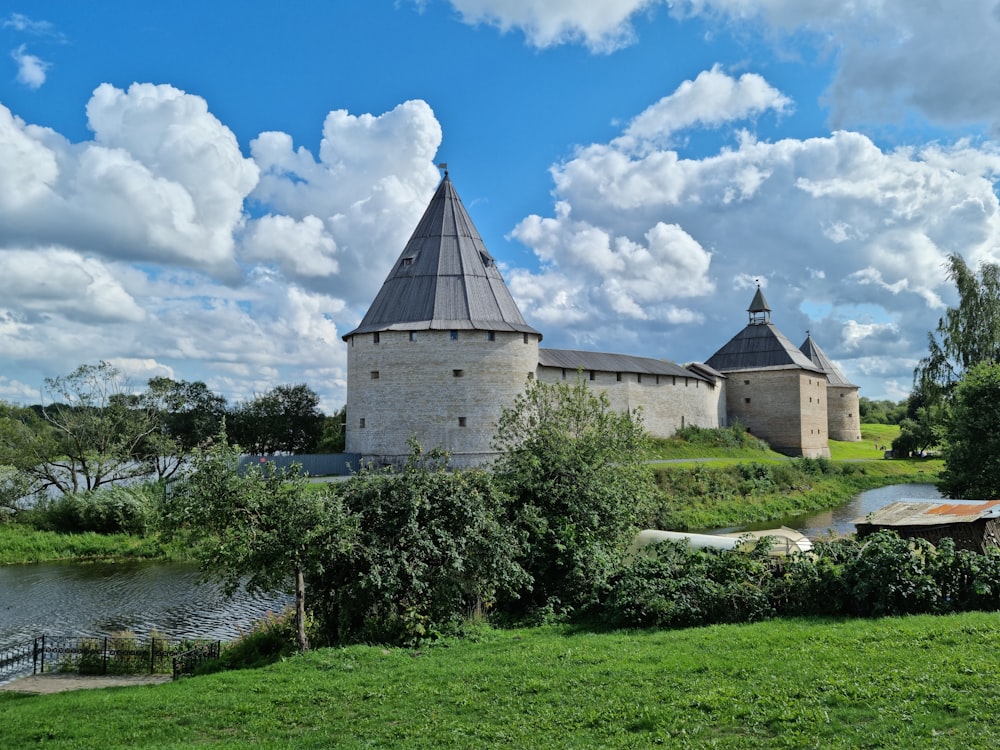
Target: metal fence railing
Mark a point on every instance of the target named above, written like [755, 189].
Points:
[186, 662]
[103, 655]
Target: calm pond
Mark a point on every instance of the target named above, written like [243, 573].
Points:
[101, 598]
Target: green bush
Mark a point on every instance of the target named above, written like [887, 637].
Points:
[734, 436]
[682, 586]
[880, 575]
[430, 550]
[269, 640]
[118, 509]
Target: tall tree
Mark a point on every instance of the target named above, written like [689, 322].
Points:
[972, 436]
[189, 415]
[286, 419]
[575, 470]
[93, 432]
[260, 528]
[967, 334]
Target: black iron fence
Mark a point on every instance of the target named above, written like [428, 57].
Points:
[186, 662]
[102, 655]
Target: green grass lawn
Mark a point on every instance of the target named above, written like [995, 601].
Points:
[918, 682]
[23, 544]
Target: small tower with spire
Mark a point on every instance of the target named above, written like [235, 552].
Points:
[772, 388]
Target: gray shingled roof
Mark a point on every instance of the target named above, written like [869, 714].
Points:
[444, 279]
[572, 359]
[833, 376]
[760, 346]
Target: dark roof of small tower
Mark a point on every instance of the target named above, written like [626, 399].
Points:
[760, 345]
[833, 375]
[444, 279]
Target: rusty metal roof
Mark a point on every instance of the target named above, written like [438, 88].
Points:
[445, 278]
[833, 375]
[760, 346]
[572, 359]
[913, 513]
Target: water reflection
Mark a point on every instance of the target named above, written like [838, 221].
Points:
[97, 598]
[839, 519]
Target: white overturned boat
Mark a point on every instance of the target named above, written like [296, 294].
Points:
[784, 541]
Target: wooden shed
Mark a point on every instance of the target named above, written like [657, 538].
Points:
[974, 525]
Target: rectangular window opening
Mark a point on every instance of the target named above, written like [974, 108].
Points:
[413, 335]
[618, 377]
[461, 421]
[458, 373]
[525, 338]
[375, 375]
[361, 424]
[375, 337]
[454, 335]
[593, 375]
[491, 335]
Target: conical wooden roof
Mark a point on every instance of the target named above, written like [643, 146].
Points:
[833, 375]
[444, 279]
[760, 345]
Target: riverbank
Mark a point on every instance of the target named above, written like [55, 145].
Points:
[712, 496]
[916, 682]
[20, 543]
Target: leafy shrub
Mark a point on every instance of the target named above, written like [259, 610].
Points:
[118, 509]
[892, 576]
[880, 575]
[573, 469]
[430, 549]
[733, 436]
[269, 640]
[682, 586]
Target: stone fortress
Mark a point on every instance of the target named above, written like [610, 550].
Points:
[443, 348]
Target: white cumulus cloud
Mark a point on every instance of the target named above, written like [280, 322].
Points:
[602, 25]
[860, 231]
[31, 69]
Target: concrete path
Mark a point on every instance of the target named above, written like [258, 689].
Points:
[57, 683]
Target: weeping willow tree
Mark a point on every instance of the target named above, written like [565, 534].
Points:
[966, 335]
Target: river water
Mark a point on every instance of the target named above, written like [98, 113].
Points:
[101, 598]
[840, 519]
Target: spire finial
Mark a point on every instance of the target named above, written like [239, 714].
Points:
[444, 165]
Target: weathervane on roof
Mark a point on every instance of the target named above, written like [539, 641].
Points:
[444, 165]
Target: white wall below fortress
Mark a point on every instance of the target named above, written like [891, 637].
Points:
[667, 402]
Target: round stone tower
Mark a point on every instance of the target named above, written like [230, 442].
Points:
[440, 350]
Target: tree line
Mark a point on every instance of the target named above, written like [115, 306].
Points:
[94, 430]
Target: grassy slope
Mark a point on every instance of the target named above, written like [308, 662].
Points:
[919, 682]
[23, 544]
[867, 466]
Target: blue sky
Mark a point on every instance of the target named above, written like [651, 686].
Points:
[215, 191]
